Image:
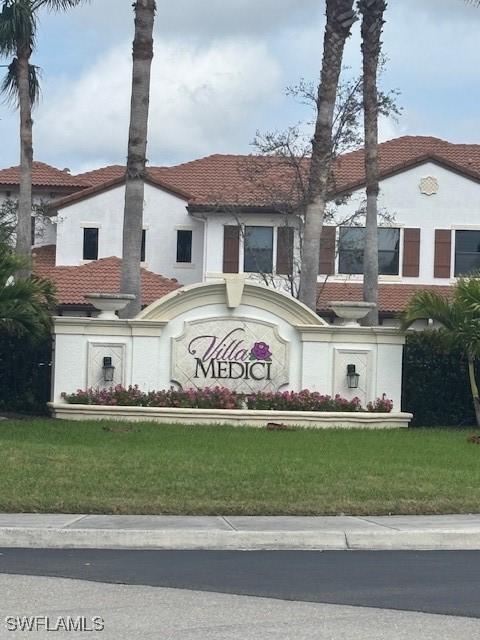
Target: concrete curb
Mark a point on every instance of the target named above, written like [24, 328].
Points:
[414, 540]
[57, 538]
[170, 539]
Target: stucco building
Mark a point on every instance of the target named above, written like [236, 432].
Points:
[225, 213]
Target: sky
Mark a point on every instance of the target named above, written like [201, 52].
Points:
[220, 72]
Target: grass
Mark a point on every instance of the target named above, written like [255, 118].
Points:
[92, 467]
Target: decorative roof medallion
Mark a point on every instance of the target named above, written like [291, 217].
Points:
[429, 185]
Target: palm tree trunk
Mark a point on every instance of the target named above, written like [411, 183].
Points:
[340, 18]
[24, 213]
[474, 388]
[137, 149]
[372, 23]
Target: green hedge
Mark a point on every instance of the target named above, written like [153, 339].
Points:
[435, 382]
[25, 374]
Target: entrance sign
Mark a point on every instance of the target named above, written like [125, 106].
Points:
[243, 354]
[228, 332]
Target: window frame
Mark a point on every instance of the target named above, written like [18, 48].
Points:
[273, 232]
[397, 251]
[179, 231]
[85, 230]
[455, 252]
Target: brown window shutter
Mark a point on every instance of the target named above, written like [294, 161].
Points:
[443, 241]
[411, 253]
[285, 251]
[231, 241]
[327, 251]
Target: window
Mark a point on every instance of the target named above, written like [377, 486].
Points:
[184, 245]
[467, 252]
[258, 250]
[351, 246]
[90, 243]
[142, 250]
[32, 230]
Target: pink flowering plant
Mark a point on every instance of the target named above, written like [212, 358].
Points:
[300, 401]
[207, 398]
[380, 405]
[223, 398]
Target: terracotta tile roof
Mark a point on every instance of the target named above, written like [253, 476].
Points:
[228, 179]
[102, 276]
[43, 175]
[232, 180]
[44, 259]
[104, 174]
[265, 181]
[400, 153]
[393, 298]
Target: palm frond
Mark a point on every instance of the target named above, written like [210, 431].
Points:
[26, 304]
[9, 86]
[426, 304]
[459, 317]
[467, 292]
[18, 26]
[468, 335]
[10, 263]
[56, 5]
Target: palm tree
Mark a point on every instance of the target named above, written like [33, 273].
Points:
[137, 149]
[18, 31]
[26, 304]
[372, 22]
[459, 319]
[340, 18]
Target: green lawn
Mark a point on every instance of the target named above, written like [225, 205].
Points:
[50, 466]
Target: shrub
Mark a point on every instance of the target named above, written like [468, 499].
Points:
[300, 401]
[25, 370]
[435, 382]
[222, 398]
[380, 405]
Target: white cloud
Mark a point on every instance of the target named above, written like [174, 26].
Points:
[202, 101]
[220, 70]
[223, 17]
[216, 18]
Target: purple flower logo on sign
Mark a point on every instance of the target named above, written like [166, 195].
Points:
[260, 351]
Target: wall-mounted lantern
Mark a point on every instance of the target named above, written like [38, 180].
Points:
[108, 369]
[352, 376]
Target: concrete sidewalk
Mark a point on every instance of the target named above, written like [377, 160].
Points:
[240, 532]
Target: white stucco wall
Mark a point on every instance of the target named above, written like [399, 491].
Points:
[456, 205]
[214, 235]
[143, 350]
[163, 215]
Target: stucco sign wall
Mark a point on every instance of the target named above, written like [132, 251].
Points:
[230, 333]
[242, 354]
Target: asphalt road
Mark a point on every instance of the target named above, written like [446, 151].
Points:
[157, 613]
[440, 582]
